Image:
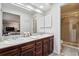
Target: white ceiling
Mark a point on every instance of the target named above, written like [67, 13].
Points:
[35, 7]
[46, 6]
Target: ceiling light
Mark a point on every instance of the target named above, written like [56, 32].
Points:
[37, 10]
[27, 7]
[21, 6]
[41, 6]
[20, 3]
[30, 7]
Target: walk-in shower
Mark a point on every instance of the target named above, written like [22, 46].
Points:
[70, 30]
[70, 24]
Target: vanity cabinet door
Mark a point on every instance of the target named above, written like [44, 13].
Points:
[51, 44]
[38, 48]
[10, 52]
[28, 52]
[28, 49]
[45, 46]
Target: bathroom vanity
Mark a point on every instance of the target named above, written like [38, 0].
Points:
[34, 46]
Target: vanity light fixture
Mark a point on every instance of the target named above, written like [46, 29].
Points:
[30, 7]
[41, 6]
[20, 3]
[37, 10]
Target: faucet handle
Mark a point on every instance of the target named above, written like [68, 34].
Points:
[29, 34]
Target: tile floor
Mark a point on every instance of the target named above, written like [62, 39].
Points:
[67, 51]
[53, 54]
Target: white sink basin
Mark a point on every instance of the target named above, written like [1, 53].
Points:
[11, 42]
[35, 36]
[7, 41]
[15, 41]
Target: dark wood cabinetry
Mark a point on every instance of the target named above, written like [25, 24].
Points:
[40, 47]
[48, 45]
[45, 46]
[51, 44]
[29, 52]
[11, 51]
[28, 49]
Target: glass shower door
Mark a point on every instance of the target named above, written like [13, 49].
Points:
[77, 33]
[70, 31]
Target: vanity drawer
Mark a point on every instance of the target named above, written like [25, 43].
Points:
[28, 52]
[12, 52]
[28, 49]
[38, 43]
[28, 46]
[46, 40]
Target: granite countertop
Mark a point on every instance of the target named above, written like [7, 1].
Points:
[21, 40]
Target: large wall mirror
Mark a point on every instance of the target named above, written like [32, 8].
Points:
[11, 24]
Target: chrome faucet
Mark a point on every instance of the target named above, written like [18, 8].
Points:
[27, 34]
